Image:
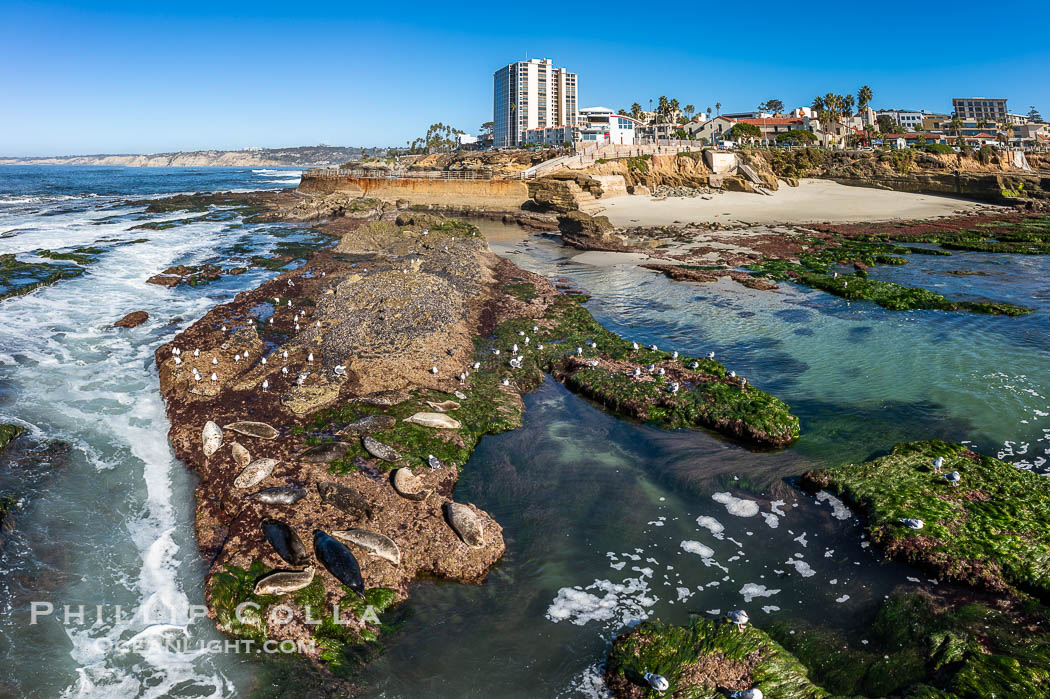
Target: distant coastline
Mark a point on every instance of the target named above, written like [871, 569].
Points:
[302, 156]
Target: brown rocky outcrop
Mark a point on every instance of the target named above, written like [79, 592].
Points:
[132, 320]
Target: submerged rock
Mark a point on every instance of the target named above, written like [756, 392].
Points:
[253, 429]
[132, 320]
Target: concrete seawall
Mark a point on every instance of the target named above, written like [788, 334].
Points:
[484, 195]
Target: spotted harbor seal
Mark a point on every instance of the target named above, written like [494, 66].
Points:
[211, 438]
[343, 497]
[323, 453]
[253, 429]
[337, 559]
[408, 485]
[255, 473]
[444, 406]
[282, 581]
[367, 425]
[285, 542]
[380, 450]
[241, 457]
[279, 495]
[384, 398]
[466, 523]
[438, 420]
[377, 544]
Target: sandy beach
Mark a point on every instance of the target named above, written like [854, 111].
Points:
[813, 201]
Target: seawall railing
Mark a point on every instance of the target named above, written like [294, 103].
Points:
[333, 173]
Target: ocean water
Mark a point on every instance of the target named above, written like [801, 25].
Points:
[606, 522]
[105, 513]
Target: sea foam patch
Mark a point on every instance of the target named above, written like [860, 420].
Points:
[736, 506]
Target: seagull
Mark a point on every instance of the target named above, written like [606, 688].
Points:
[535, 328]
[912, 523]
[526, 341]
[177, 361]
[289, 303]
[176, 351]
[196, 377]
[462, 376]
[657, 682]
[236, 357]
[661, 371]
[276, 300]
[196, 353]
[285, 354]
[732, 374]
[937, 464]
[710, 355]
[637, 371]
[738, 617]
[264, 360]
[214, 361]
[652, 347]
[495, 352]
[476, 365]
[506, 382]
[579, 351]
[340, 369]
[521, 333]
[296, 327]
[433, 461]
[271, 321]
[265, 384]
[592, 362]
[674, 355]
[224, 328]
[515, 362]
[317, 324]
[835, 275]
[426, 231]
[514, 348]
[743, 382]
[245, 354]
[290, 283]
[753, 693]
[301, 379]
[214, 377]
[539, 347]
[434, 370]
[651, 368]
[284, 370]
[310, 357]
[634, 345]
[845, 284]
[954, 477]
[694, 365]
[673, 387]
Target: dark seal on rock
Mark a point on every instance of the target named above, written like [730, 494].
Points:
[368, 425]
[337, 559]
[380, 450]
[285, 542]
[323, 453]
[132, 320]
[343, 497]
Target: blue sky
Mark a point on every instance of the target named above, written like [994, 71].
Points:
[144, 77]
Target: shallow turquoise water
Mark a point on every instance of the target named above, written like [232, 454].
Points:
[576, 489]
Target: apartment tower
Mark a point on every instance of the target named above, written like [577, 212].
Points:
[531, 94]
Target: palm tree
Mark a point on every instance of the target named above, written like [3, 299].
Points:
[718, 108]
[689, 111]
[957, 124]
[636, 111]
[1006, 128]
[864, 95]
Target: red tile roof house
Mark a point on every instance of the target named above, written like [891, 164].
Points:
[717, 128]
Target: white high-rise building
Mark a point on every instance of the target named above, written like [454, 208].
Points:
[531, 94]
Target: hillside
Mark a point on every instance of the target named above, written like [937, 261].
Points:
[300, 156]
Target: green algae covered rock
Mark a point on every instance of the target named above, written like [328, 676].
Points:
[992, 530]
[8, 433]
[704, 660]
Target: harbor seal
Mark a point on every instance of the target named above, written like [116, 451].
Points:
[377, 544]
[444, 406]
[379, 450]
[211, 437]
[279, 495]
[337, 559]
[323, 453]
[285, 542]
[465, 523]
[241, 457]
[252, 429]
[367, 425]
[343, 497]
[255, 473]
[408, 485]
[384, 398]
[283, 581]
[438, 420]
